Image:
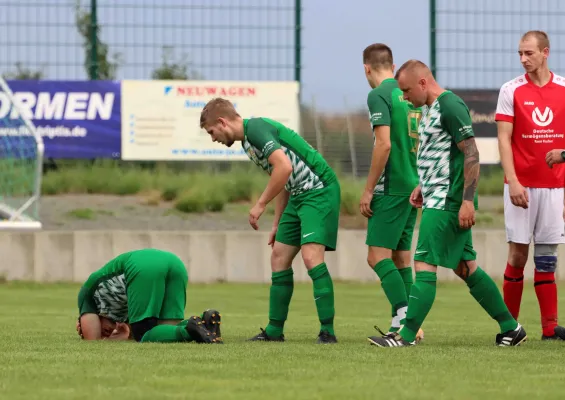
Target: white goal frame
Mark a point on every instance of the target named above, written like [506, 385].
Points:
[15, 218]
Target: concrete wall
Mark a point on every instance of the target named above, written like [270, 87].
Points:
[48, 256]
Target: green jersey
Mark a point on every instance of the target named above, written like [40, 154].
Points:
[441, 164]
[310, 170]
[388, 107]
[105, 291]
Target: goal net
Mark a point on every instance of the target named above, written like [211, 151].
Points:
[21, 162]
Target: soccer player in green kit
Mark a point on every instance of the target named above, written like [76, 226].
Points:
[392, 178]
[307, 205]
[141, 295]
[449, 169]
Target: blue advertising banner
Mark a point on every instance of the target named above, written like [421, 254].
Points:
[77, 119]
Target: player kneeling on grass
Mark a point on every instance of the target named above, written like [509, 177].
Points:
[141, 295]
[448, 167]
[307, 206]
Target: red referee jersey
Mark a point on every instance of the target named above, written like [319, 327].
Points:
[538, 115]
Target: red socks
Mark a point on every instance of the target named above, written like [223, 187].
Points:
[546, 291]
[512, 288]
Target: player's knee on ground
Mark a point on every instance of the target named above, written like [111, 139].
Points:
[545, 257]
[140, 328]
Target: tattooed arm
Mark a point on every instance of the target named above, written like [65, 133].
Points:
[471, 173]
[472, 167]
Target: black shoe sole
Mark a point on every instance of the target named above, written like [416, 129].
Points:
[331, 340]
[212, 320]
[197, 331]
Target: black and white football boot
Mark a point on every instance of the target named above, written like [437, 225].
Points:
[389, 339]
[512, 338]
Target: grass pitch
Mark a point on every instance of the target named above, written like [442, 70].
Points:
[41, 356]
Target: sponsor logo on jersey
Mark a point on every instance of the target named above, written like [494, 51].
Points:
[542, 118]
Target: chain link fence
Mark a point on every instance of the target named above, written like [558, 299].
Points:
[194, 39]
[474, 44]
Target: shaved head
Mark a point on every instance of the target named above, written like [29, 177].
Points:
[415, 80]
[414, 67]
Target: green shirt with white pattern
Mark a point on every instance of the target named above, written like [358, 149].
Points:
[105, 291]
[310, 171]
[441, 164]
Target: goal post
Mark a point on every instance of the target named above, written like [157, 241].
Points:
[21, 166]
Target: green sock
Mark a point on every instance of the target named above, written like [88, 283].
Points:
[324, 296]
[422, 296]
[167, 334]
[406, 275]
[282, 286]
[393, 286]
[485, 291]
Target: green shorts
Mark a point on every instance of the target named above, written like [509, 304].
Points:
[156, 288]
[441, 241]
[312, 217]
[392, 224]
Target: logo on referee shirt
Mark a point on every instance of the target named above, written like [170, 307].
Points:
[542, 119]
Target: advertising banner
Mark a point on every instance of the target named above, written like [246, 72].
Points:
[482, 106]
[77, 119]
[161, 119]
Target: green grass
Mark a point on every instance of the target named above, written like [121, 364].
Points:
[202, 191]
[87, 213]
[41, 356]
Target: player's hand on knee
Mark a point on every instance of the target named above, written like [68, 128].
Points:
[467, 214]
[518, 195]
[416, 198]
[365, 203]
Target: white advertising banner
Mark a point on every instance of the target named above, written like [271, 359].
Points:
[161, 119]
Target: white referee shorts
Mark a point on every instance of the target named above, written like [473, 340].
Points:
[543, 219]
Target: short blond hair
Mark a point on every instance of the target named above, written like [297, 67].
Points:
[541, 37]
[217, 108]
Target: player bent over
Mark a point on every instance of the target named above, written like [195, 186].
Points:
[448, 166]
[392, 178]
[530, 121]
[141, 294]
[307, 205]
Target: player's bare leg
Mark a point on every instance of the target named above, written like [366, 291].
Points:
[313, 256]
[282, 287]
[513, 285]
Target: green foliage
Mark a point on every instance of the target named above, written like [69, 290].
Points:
[173, 70]
[24, 73]
[107, 65]
[200, 190]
